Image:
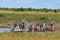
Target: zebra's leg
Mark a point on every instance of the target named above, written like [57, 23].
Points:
[44, 26]
[27, 30]
[32, 28]
[38, 28]
[41, 28]
[52, 27]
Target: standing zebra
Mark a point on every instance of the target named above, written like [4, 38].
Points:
[41, 26]
[52, 23]
[19, 26]
[29, 25]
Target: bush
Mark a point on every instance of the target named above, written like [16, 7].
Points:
[43, 19]
[2, 15]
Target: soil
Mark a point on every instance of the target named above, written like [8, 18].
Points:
[57, 27]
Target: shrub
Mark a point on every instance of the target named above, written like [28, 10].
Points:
[2, 15]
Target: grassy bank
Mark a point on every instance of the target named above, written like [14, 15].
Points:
[29, 36]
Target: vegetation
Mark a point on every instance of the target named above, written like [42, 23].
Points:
[31, 9]
[8, 15]
[29, 36]
[5, 18]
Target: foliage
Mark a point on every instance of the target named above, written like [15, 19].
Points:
[2, 15]
[30, 9]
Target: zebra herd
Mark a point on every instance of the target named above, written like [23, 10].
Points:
[32, 26]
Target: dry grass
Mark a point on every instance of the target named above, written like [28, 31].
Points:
[30, 36]
[26, 12]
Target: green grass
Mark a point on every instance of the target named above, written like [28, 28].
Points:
[5, 18]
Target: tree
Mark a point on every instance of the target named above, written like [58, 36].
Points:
[55, 11]
[29, 9]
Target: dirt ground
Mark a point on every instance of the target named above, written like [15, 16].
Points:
[57, 27]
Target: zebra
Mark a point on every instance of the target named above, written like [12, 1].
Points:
[41, 26]
[30, 25]
[51, 24]
[19, 26]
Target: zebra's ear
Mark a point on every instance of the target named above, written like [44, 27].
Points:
[23, 19]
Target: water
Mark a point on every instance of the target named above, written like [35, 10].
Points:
[5, 30]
